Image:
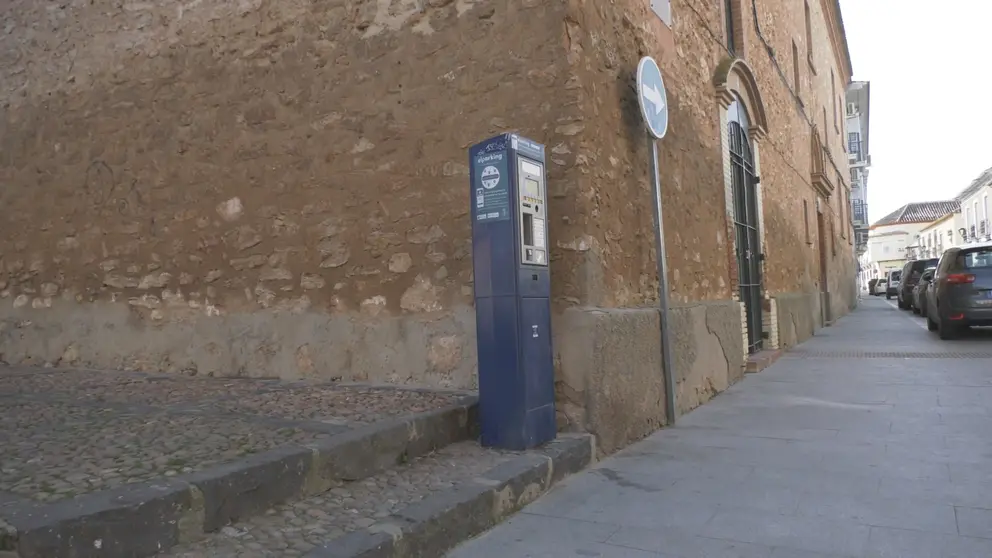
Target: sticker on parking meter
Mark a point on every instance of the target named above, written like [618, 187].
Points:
[491, 184]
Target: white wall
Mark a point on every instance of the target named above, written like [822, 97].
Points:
[888, 243]
[942, 235]
[976, 209]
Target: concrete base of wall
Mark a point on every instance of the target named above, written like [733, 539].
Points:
[799, 316]
[709, 351]
[610, 380]
[431, 350]
[827, 315]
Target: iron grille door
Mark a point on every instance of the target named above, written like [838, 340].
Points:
[746, 229]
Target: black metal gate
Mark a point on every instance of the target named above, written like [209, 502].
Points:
[746, 228]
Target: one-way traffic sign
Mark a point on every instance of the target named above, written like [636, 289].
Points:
[652, 97]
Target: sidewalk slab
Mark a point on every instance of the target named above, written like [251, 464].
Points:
[867, 440]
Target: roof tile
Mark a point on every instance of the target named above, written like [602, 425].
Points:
[920, 212]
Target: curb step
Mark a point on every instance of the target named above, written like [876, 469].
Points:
[421, 508]
[144, 519]
[441, 521]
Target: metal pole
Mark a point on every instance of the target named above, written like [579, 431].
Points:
[667, 369]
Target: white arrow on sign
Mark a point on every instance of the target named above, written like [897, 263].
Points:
[654, 96]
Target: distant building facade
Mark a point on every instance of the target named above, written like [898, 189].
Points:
[859, 158]
[969, 223]
[894, 238]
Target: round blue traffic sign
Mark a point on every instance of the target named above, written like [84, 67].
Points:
[652, 97]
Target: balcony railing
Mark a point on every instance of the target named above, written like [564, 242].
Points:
[854, 150]
[859, 212]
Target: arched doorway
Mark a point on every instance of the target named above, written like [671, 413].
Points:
[745, 217]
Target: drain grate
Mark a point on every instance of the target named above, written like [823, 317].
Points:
[885, 354]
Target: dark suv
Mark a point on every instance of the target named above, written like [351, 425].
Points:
[961, 293]
[911, 273]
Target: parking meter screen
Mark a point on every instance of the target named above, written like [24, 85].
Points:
[532, 188]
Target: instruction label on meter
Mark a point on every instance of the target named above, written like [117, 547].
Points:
[491, 182]
[539, 240]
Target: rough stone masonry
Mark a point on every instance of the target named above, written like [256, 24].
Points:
[278, 189]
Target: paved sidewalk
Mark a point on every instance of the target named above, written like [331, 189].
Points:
[869, 440]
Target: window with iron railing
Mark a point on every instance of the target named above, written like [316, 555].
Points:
[973, 235]
[854, 144]
[981, 228]
[859, 210]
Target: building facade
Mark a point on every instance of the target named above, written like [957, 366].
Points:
[859, 158]
[281, 189]
[938, 236]
[975, 209]
[894, 239]
[969, 223]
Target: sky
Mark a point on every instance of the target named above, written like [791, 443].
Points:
[931, 95]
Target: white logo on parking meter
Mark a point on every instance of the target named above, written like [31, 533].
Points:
[490, 177]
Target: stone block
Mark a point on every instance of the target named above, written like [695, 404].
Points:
[365, 451]
[708, 350]
[244, 488]
[132, 520]
[798, 317]
[609, 381]
[438, 523]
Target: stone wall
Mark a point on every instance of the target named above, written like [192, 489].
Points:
[267, 188]
[278, 189]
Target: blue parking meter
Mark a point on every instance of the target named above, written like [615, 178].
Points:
[510, 259]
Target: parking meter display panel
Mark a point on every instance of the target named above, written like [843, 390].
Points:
[533, 212]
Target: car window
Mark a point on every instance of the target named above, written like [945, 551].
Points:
[977, 259]
[894, 276]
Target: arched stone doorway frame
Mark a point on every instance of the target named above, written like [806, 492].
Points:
[735, 85]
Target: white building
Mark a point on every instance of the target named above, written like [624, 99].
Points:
[859, 159]
[940, 235]
[893, 238]
[975, 208]
[969, 224]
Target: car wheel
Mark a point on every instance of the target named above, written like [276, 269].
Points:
[945, 330]
[888, 296]
[916, 311]
[931, 325]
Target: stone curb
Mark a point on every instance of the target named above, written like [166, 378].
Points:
[144, 519]
[441, 521]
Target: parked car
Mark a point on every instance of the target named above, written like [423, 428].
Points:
[880, 287]
[920, 292]
[961, 293]
[910, 275]
[892, 282]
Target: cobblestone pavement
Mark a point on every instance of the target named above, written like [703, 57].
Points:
[66, 433]
[291, 530]
[869, 441]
